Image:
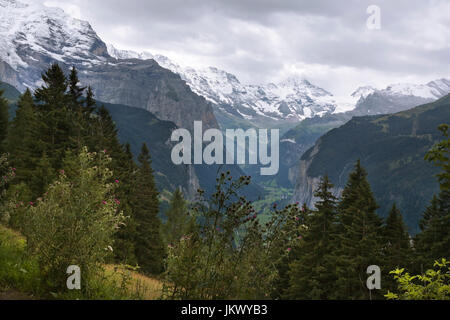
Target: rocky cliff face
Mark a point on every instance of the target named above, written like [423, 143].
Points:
[33, 36]
[144, 84]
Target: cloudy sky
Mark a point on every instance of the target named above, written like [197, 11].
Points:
[327, 42]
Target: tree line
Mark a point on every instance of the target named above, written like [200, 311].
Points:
[78, 196]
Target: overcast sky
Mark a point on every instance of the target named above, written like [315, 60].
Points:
[327, 42]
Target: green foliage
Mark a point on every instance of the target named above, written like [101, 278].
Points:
[440, 156]
[313, 271]
[227, 254]
[4, 120]
[397, 250]
[434, 284]
[17, 270]
[74, 222]
[359, 236]
[149, 248]
[178, 220]
[391, 148]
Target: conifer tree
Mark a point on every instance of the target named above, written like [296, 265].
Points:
[23, 140]
[177, 219]
[397, 251]
[125, 237]
[55, 119]
[148, 243]
[4, 120]
[312, 273]
[433, 243]
[359, 237]
[75, 91]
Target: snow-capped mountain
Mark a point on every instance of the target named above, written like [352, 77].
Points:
[432, 90]
[29, 31]
[32, 35]
[293, 99]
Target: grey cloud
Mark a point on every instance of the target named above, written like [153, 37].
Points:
[256, 39]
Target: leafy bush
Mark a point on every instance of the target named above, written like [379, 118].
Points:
[227, 253]
[74, 222]
[433, 285]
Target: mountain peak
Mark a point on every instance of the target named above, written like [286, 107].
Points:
[29, 31]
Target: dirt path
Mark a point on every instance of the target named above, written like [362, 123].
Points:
[14, 295]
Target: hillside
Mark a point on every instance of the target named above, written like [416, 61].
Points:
[391, 148]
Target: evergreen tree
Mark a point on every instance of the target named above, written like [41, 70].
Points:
[125, 237]
[75, 91]
[23, 141]
[433, 243]
[4, 120]
[90, 102]
[177, 221]
[52, 94]
[148, 243]
[56, 121]
[397, 251]
[312, 273]
[359, 237]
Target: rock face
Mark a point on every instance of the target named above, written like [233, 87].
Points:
[33, 36]
[272, 105]
[144, 84]
[391, 148]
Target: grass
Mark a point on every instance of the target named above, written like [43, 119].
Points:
[17, 271]
[137, 284]
[20, 277]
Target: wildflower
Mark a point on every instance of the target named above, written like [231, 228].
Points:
[117, 181]
[13, 169]
[117, 201]
[62, 171]
[297, 218]
[289, 249]
[104, 202]
[31, 203]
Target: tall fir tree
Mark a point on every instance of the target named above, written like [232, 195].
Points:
[23, 141]
[433, 243]
[178, 220]
[312, 273]
[359, 237]
[397, 251]
[4, 121]
[148, 244]
[126, 171]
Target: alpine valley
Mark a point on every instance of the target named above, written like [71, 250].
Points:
[149, 95]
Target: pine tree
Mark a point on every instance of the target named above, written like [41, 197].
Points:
[75, 91]
[397, 251]
[125, 238]
[312, 273]
[56, 121]
[4, 120]
[52, 94]
[148, 243]
[433, 243]
[177, 219]
[23, 141]
[359, 237]
[89, 102]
